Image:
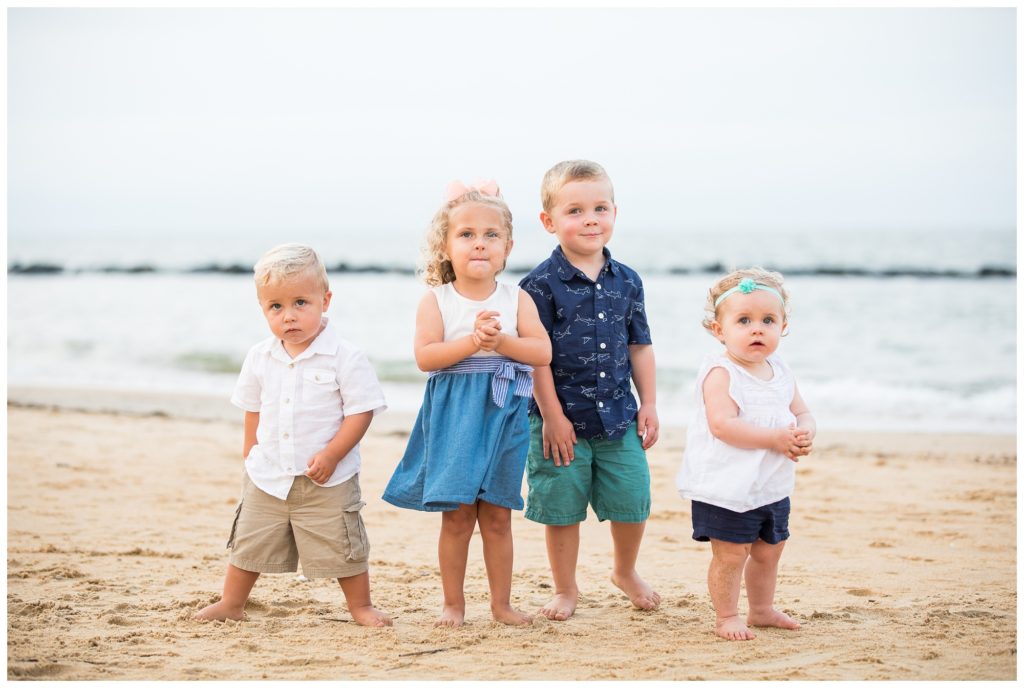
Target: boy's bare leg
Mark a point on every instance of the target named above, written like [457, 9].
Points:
[626, 538]
[761, 573]
[357, 596]
[496, 532]
[724, 576]
[237, 586]
[452, 552]
[563, 543]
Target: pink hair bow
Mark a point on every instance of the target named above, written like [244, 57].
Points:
[487, 187]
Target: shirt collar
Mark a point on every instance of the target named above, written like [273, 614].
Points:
[325, 343]
[566, 270]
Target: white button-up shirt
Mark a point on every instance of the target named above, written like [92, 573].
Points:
[301, 402]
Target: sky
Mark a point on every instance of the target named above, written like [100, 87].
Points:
[158, 121]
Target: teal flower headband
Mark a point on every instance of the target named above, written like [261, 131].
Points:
[745, 287]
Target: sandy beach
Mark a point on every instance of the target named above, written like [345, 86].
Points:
[901, 565]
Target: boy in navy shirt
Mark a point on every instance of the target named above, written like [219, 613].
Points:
[588, 434]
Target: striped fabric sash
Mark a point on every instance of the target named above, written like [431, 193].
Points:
[505, 371]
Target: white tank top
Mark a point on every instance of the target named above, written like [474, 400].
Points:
[459, 313]
[739, 479]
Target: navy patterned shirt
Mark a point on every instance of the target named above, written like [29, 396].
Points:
[591, 325]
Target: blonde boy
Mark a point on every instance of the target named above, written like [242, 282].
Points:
[588, 435]
[308, 397]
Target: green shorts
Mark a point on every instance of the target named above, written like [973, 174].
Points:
[611, 475]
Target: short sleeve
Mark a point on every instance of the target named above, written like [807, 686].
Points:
[540, 292]
[639, 330]
[247, 389]
[360, 389]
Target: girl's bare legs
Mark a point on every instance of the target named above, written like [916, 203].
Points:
[357, 597]
[496, 532]
[761, 573]
[452, 552]
[563, 543]
[237, 586]
[724, 576]
[626, 538]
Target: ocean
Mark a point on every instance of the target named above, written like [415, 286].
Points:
[894, 330]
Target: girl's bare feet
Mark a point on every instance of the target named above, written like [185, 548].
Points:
[561, 606]
[507, 614]
[369, 616]
[772, 618]
[452, 616]
[732, 628]
[637, 590]
[219, 611]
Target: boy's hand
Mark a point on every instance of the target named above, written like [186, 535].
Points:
[559, 437]
[647, 425]
[792, 442]
[320, 468]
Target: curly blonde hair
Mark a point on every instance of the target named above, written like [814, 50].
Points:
[759, 275]
[435, 268]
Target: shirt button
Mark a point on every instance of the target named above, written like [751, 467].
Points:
[601, 373]
[600, 404]
[602, 345]
[598, 287]
[601, 315]
[285, 436]
[291, 365]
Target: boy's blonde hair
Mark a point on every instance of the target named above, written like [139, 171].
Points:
[288, 260]
[435, 267]
[759, 275]
[569, 171]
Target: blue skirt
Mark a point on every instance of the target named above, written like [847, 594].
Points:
[464, 446]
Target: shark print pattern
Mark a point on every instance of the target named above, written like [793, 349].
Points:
[592, 324]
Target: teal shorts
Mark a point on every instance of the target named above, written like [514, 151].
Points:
[610, 475]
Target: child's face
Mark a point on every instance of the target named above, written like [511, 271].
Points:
[583, 217]
[750, 326]
[478, 242]
[293, 308]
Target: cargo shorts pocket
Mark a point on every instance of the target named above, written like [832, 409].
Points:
[355, 533]
[234, 527]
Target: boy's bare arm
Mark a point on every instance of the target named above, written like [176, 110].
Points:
[725, 423]
[641, 359]
[252, 421]
[322, 464]
[558, 434]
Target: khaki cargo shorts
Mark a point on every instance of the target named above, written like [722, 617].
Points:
[319, 527]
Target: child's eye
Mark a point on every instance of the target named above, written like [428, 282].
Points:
[744, 320]
[492, 235]
[301, 302]
[769, 320]
[601, 208]
[465, 233]
[574, 211]
[275, 306]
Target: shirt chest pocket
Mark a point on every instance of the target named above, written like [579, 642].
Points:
[319, 387]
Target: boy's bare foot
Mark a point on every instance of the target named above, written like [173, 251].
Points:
[639, 593]
[369, 616]
[507, 614]
[451, 616]
[561, 606]
[773, 618]
[733, 628]
[218, 611]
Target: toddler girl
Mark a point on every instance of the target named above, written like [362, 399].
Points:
[750, 429]
[477, 338]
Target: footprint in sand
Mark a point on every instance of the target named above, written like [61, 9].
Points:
[860, 592]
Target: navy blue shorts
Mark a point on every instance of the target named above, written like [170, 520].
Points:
[769, 522]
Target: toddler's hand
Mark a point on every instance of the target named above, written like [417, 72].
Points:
[559, 437]
[487, 330]
[792, 442]
[320, 468]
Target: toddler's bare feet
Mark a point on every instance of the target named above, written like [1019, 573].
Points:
[507, 614]
[773, 618]
[639, 592]
[561, 606]
[369, 616]
[732, 628]
[218, 611]
[452, 616]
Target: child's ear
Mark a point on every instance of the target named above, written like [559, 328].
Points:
[716, 329]
[548, 223]
[327, 299]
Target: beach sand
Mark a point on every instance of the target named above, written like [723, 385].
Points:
[901, 565]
